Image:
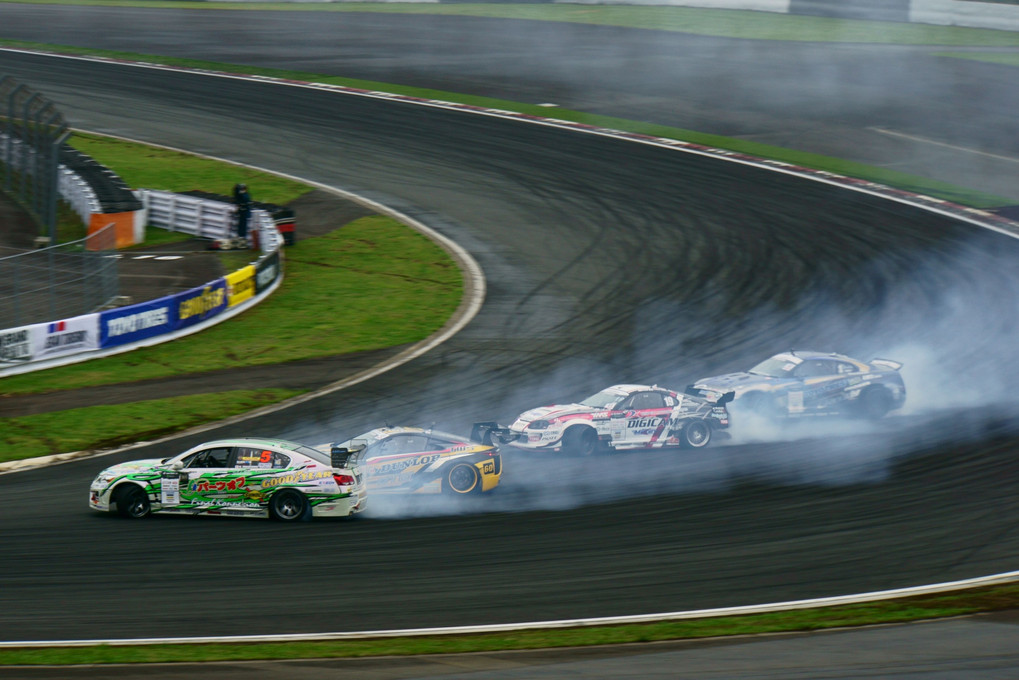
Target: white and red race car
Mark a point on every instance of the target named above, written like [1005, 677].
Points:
[620, 417]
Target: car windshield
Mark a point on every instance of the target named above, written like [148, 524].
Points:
[775, 367]
[604, 399]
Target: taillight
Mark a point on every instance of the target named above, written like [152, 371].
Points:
[344, 480]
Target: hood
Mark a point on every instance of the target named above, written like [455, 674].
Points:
[133, 466]
[555, 411]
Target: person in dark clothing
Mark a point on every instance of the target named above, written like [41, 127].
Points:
[242, 199]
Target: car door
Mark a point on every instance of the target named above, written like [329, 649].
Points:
[645, 415]
[256, 472]
[209, 480]
[822, 386]
[395, 461]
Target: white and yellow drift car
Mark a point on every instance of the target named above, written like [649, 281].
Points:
[283, 480]
[416, 460]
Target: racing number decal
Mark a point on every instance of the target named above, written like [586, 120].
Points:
[489, 467]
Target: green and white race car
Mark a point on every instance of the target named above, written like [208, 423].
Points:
[283, 480]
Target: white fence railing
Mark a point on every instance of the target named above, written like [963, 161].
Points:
[205, 218]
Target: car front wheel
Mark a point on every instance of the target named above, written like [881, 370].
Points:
[580, 441]
[132, 502]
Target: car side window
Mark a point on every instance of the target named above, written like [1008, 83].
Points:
[412, 444]
[641, 401]
[844, 368]
[812, 369]
[255, 458]
[209, 458]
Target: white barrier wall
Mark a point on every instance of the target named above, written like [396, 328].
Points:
[1000, 16]
[205, 218]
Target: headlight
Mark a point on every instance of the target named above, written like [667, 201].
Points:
[104, 478]
[538, 425]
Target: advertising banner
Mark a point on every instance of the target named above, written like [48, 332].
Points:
[199, 304]
[70, 336]
[267, 271]
[137, 322]
[15, 346]
[240, 285]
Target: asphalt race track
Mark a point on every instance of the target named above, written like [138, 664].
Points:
[606, 262]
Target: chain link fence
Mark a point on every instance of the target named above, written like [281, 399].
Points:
[31, 135]
[60, 281]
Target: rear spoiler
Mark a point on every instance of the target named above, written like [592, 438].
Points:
[886, 363]
[340, 457]
[490, 433]
[711, 396]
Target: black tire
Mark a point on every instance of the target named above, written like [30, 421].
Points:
[580, 441]
[462, 479]
[132, 501]
[696, 434]
[874, 403]
[288, 506]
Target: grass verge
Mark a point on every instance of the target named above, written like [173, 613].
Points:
[884, 612]
[117, 424]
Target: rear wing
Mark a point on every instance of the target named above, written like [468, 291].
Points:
[342, 457]
[712, 396]
[886, 363]
[490, 433]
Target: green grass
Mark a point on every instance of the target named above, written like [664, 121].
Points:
[882, 612]
[114, 425]
[157, 168]
[720, 23]
[922, 185]
[1004, 58]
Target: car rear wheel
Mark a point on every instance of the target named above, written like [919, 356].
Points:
[462, 479]
[874, 402]
[696, 434]
[288, 506]
[132, 502]
[580, 441]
